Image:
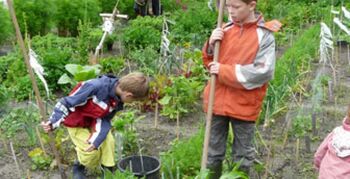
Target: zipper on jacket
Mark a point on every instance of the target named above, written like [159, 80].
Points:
[241, 30]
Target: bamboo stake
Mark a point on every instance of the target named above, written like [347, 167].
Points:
[40, 140]
[34, 84]
[15, 159]
[211, 93]
[307, 143]
[5, 144]
[177, 125]
[156, 115]
[28, 174]
[297, 144]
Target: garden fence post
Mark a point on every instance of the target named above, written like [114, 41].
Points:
[34, 84]
[211, 93]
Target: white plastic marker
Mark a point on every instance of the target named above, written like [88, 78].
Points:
[38, 69]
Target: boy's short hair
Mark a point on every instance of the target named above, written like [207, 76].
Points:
[248, 1]
[136, 83]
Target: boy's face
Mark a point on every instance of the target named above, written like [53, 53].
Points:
[239, 11]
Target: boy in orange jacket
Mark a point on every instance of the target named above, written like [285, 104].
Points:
[246, 64]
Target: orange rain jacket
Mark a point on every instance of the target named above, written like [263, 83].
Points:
[247, 63]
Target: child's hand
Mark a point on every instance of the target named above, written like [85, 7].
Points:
[90, 148]
[46, 126]
[217, 34]
[214, 68]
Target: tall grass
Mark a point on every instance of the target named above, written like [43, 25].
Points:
[291, 68]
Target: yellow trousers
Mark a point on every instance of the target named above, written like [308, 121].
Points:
[104, 155]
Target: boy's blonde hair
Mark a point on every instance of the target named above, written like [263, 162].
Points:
[136, 83]
[248, 1]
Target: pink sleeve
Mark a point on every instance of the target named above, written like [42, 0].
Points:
[322, 150]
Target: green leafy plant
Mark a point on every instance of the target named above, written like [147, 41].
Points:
[87, 40]
[22, 119]
[301, 125]
[145, 63]
[40, 161]
[235, 173]
[118, 174]
[183, 157]
[112, 65]
[180, 96]
[79, 73]
[123, 123]
[22, 89]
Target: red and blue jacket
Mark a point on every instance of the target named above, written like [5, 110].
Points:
[91, 104]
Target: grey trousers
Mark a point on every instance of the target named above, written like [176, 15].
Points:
[242, 147]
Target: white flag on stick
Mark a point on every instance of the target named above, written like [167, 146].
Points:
[341, 25]
[38, 69]
[346, 12]
[108, 25]
[326, 44]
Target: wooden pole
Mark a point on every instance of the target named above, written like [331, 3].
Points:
[34, 84]
[211, 93]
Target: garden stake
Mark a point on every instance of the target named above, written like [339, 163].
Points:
[28, 174]
[15, 159]
[177, 125]
[34, 85]
[211, 93]
[307, 143]
[110, 17]
[156, 115]
[5, 144]
[40, 140]
[297, 151]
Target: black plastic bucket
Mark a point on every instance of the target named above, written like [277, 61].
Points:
[150, 169]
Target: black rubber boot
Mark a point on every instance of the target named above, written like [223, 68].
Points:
[78, 171]
[215, 171]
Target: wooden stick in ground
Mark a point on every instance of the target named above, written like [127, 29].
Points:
[34, 84]
[177, 125]
[15, 159]
[211, 93]
[40, 140]
[156, 115]
[5, 144]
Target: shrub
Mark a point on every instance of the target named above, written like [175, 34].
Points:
[35, 15]
[143, 32]
[195, 29]
[6, 30]
[55, 52]
[112, 64]
[69, 12]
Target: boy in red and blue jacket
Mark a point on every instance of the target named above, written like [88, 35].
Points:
[87, 113]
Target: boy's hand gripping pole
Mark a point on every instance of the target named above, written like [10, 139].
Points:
[212, 92]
